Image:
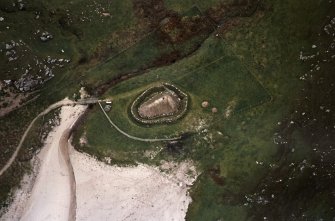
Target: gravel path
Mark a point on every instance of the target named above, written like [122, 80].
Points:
[134, 137]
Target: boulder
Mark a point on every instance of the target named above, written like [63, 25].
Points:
[204, 104]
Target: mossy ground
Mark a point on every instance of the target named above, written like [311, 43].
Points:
[83, 34]
[257, 66]
[229, 82]
[253, 67]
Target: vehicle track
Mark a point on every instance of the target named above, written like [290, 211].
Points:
[56, 105]
[134, 137]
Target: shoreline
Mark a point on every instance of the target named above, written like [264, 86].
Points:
[142, 192]
[41, 200]
[68, 185]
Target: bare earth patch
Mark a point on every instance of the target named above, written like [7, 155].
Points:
[12, 100]
[160, 104]
[163, 103]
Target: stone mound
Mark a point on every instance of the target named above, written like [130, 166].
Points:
[161, 104]
[164, 103]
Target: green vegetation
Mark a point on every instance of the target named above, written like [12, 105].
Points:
[32, 144]
[234, 85]
[269, 44]
[261, 155]
[149, 93]
[244, 158]
[159, 47]
[78, 36]
[87, 35]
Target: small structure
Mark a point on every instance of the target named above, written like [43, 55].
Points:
[214, 110]
[109, 101]
[83, 93]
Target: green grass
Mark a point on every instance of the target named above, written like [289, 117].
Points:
[79, 40]
[135, 58]
[261, 44]
[204, 5]
[125, 152]
[253, 67]
[228, 81]
[11, 178]
[179, 6]
[152, 50]
[97, 27]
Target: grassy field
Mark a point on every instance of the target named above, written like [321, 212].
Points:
[81, 33]
[154, 49]
[255, 68]
[259, 179]
[255, 162]
[87, 35]
[229, 84]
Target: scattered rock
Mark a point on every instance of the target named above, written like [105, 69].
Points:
[214, 110]
[21, 6]
[107, 108]
[9, 46]
[83, 139]
[12, 59]
[204, 104]
[46, 36]
[26, 84]
[2, 19]
[106, 14]
[83, 93]
[8, 81]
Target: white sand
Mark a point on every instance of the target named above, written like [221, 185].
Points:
[16, 208]
[129, 193]
[102, 192]
[51, 195]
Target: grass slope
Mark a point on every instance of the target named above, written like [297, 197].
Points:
[229, 82]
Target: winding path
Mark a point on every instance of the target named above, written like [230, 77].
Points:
[54, 193]
[67, 102]
[64, 102]
[133, 137]
[53, 196]
[64, 149]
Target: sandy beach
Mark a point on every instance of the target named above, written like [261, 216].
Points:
[129, 193]
[70, 185]
[50, 197]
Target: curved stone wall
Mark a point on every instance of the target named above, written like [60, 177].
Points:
[153, 92]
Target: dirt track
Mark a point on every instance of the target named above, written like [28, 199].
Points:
[52, 195]
[134, 137]
[61, 103]
[73, 185]
[64, 149]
